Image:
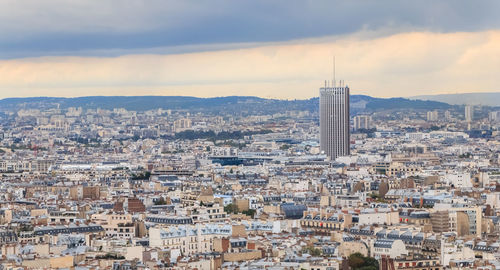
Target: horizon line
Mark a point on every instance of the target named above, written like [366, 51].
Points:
[262, 97]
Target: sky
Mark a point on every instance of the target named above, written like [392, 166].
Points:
[273, 49]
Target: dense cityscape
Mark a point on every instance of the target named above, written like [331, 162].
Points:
[88, 188]
[248, 135]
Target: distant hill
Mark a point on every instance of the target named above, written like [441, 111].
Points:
[487, 99]
[232, 104]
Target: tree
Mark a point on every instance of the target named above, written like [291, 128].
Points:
[249, 212]
[285, 147]
[383, 188]
[231, 208]
[359, 186]
[359, 262]
[466, 155]
[312, 251]
[25, 228]
[142, 176]
[356, 260]
[161, 201]
[488, 211]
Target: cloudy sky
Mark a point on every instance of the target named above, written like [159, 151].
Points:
[278, 49]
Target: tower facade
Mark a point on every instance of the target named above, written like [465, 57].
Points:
[361, 122]
[334, 121]
[469, 113]
[432, 116]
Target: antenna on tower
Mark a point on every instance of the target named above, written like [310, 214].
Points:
[334, 83]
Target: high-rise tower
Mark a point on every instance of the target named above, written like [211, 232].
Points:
[469, 113]
[334, 120]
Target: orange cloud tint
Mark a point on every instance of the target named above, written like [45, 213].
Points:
[399, 65]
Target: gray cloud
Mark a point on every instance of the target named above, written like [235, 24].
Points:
[30, 28]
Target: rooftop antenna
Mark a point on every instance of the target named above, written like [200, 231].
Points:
[334, 83]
